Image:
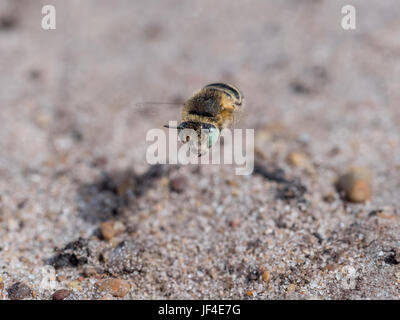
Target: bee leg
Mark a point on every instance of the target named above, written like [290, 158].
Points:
[229, 108]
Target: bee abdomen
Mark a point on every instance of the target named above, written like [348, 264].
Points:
[201, 113]
[228, 89]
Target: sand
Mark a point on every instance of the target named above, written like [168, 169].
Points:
[72, 151]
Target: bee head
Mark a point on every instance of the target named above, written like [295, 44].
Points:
[205, 134]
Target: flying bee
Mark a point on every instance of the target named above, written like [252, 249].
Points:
[206, 113]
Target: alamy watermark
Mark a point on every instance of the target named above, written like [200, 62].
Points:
[349, 18]
[237, 149]
[348, 21]
[49, 18]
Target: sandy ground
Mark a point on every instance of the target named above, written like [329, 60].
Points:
[72, 151]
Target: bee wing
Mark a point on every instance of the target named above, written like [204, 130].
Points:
[157, 113]
[150, 108]
[238, 115]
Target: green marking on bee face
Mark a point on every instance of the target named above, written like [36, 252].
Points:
[212, 137]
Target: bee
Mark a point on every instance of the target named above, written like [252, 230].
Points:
[206, 113]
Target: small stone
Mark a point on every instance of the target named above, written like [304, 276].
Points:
[110, 229]
[300, 260]
[297, 159]
[116, 287]
[75, 284]
[18, 291]
[385, 213]
[164, 181]
[329, 197]
[178, 184]
[212, 272]
[356, 184]
[393, 258]
[292, 191]
[331, 267]
[68, 259]
[61, 294]
[1, 284]
[253, 275]
[232, 183]
[107, 230]
[90, 272]
[291, 288]
[250, 293]
[61, 278]
[235, 223]
[266, 276]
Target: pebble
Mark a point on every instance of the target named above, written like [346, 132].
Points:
[232, 183]
[329, 197]
[75, 284]
[18, 291]
[61, 294]
[107, 230]
[356, 184]
[253, 275]
[212, 272]
[330, 267]
[61, 278]
[266, 276]
[291, 288]
[90, 272]
[235, 223]
[110, 229]
[178, 184]
[386, 213]
[117, 287]
[297, 159]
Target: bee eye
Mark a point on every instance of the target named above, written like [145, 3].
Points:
[213, 136]
[184, 135]
[181, 135]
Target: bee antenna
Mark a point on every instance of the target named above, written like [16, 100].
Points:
[167, 126]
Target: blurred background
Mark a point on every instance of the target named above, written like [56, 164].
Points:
[72, 144]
